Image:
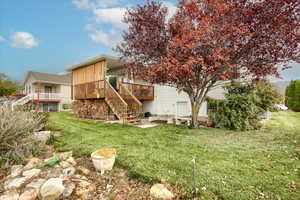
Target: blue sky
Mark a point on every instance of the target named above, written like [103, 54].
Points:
[48, 36]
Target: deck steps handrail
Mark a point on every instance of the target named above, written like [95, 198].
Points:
[21, 101]
[134, 105]
[115, 101]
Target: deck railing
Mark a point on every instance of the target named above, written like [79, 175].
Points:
[142, 92]
[134, 105]
[89, 90]
[55, 96]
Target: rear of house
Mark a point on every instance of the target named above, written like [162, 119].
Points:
[102, 90]
[46, 92]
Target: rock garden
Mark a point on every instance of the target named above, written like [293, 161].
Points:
[61, 176]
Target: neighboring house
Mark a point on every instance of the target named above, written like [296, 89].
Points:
[101, 83]
[48, 92]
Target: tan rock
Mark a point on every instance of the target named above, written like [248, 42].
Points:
[159, 191]
[10, 195]
[72, 161]
[30, 194]
[16, 170]
[14, 183]
[65, 164]
[36, 183]
[65, 155]
[84, 170]
[29, 174]
[32, 163]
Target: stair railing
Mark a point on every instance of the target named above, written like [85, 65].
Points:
[134, 105]
[115, 101]
[21, 101]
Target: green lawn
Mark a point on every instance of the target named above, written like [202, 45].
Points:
[230, 165]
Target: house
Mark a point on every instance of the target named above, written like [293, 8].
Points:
[47, 92]
[100, 87]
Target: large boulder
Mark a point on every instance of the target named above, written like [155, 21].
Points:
[52, 189]
[159, 191]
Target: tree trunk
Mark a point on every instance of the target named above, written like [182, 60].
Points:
[195, 111]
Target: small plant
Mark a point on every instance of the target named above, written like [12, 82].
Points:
[16, 135]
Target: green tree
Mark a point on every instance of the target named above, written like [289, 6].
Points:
[292, 95]
[266, 96]
[7, 86]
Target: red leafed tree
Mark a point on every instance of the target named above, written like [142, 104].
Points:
[209, 42]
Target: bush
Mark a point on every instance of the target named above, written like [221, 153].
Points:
[292, 96]
[25, 107]
[238, 111]
[244, 105]
[16, 134]
[67, 106]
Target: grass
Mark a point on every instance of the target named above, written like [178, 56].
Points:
[230, 165]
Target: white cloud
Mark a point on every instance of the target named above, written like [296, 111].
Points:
[93, 4]
[110, 39]
[82, 3]
[106, 12]
[2, 39]
[89, 27]
[113, 16]
[23, 40]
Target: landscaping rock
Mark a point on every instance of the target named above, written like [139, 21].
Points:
[52, 189]
[16, 170]
[65, 164]
[30, 194]
[65, 155]
[84, 170]
[69, 189]
[10, 195]
[29, 174]
[72, 161]
[36, 183]
[14, 183]
[42, 136]
[32, 163]
[159, 191]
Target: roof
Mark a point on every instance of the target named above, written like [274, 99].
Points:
[64, 79]
[112, 62]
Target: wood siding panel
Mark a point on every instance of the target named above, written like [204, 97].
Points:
[89, 73]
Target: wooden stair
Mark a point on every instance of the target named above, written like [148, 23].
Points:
[124, 104]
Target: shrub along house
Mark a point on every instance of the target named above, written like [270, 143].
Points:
[47, 92]
[100, 87]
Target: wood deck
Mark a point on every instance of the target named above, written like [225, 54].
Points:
[96, 90]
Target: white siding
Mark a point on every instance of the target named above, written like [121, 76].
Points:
[65, 93]
[167, 101]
